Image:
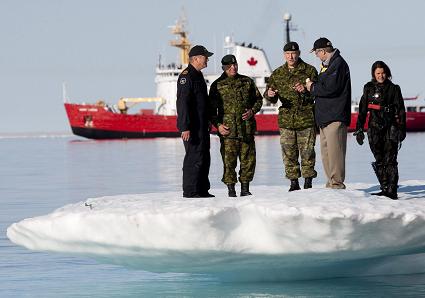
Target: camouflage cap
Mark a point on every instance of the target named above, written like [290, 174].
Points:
[228, 59]
[291, 46]
[199, 50]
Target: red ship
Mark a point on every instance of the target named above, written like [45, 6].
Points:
[99, 122]
[103, 121]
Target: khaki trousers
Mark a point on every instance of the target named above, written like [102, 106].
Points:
[333, 147]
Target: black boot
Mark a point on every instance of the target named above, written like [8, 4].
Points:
[232, 191]
[206, 195]
[391, 195]
[294, 185]
[380, 171]
[391, 192]
[383, 192]
[308, 183]
[245, 189]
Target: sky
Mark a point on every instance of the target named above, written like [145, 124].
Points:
[106, 49]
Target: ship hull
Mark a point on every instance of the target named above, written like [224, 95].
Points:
[96, 122]
[101, 134]
[415, 121]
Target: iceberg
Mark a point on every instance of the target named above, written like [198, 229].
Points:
[272, 235]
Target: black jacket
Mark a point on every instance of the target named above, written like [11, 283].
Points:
[388, 97]
[332, 93]
[192, 103]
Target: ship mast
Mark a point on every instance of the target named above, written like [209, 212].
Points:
[287, 17]
[183, 42]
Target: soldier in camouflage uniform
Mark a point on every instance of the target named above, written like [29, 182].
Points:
[387, 126]
[296, 116]
[234, 100]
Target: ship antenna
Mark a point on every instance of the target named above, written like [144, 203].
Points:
[288, 26]
[183, 42]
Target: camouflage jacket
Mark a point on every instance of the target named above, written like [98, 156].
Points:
[229, 98]
[297, 110]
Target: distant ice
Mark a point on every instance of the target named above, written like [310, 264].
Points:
[36, 135]
[272, 235]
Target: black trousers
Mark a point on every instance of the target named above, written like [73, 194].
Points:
[196, 166]
[385, 152]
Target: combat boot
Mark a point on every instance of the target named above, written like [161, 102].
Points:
[308, 183]
[245, 189]
[232, 191]
[294, 185]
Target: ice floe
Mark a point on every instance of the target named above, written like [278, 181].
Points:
[272, 235]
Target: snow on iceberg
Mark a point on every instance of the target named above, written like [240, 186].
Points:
[273, 235]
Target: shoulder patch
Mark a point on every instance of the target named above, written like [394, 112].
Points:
[182, 81]
[185, 72]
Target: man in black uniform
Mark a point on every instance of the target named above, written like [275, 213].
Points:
[193, 123]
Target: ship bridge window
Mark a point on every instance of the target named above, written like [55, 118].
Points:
[411, 109]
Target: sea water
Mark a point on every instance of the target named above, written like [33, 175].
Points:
[41, 173]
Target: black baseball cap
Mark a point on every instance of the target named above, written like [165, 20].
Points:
[321, 43]
[228, 59]
[291, 46]
[199, 50]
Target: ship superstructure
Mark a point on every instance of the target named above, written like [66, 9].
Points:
[252, 62]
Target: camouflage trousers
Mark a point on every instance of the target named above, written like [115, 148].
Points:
[298, 143]
[231, 150]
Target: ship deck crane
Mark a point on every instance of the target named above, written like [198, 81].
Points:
[127, 102]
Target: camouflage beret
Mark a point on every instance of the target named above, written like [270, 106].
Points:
[228, 59]
[291, 46]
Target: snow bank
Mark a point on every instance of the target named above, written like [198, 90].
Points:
[271, 235]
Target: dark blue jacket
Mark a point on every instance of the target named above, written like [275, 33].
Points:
[192, 103]
[332, 93]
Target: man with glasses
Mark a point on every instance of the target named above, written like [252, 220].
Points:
[193, 124]
[296, 117]
[332, 93]
[234, 100]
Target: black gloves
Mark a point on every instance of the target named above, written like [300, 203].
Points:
[359, 136]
